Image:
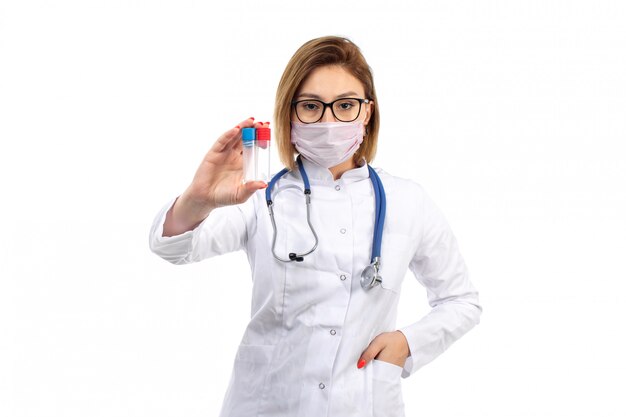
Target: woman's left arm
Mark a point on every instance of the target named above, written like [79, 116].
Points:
[439, 267]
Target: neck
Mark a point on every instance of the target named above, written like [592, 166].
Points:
[338, 170]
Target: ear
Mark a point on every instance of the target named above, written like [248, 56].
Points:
[369, 112]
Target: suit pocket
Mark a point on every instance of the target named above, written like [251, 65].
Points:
[247, 383]
[396, 253]
[386, 389]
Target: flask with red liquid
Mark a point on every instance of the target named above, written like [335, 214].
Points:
[262, 146]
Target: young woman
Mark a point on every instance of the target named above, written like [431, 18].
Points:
[327, 276]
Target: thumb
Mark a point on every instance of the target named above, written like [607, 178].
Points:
[249, 188]
[370, 353]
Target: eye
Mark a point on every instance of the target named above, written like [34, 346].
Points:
[310, 106]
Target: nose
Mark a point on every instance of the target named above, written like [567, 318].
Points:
[327, 115]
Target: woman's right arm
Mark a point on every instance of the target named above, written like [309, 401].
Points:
[216, 185]
[184, 216]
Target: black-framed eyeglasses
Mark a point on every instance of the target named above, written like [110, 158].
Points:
[344, 109]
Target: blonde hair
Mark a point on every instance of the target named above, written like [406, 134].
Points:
[319, 52]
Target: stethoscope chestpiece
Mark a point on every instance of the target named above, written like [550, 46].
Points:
[370, 276]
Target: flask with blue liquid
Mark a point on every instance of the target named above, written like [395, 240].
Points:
[256, 153]
[248, 136]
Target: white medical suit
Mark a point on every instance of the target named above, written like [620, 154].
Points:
[311, 320]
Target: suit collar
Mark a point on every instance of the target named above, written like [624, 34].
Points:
[320, 173]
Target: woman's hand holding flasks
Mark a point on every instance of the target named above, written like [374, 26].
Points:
[217, 182]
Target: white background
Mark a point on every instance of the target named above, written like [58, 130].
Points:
[510, 114]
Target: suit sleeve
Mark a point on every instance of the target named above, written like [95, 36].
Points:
[224, 230]
[440, 268]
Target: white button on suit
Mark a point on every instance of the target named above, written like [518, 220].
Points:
[311, 320]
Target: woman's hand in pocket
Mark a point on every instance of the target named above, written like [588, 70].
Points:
[389, 347]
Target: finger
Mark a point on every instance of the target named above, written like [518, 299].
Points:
[237, 144]
[226, 139]
[230, 136]
[371, 352]
[247, 189]
[249, 122]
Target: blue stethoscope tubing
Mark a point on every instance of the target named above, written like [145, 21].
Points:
[370, 276]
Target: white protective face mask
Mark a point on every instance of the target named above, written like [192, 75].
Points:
[327, 143]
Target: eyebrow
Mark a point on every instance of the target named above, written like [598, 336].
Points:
[315, 96]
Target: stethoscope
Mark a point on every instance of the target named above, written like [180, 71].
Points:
[370, 276]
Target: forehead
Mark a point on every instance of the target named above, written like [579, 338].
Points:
[330, 81]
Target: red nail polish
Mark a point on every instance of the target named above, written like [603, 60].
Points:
[252, 118]
[237, 127]
[361, 364]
